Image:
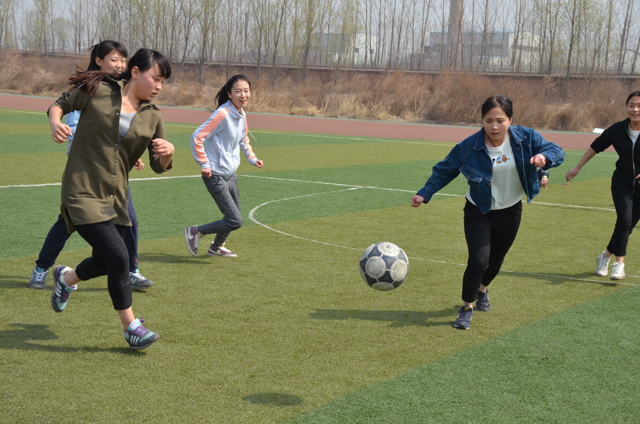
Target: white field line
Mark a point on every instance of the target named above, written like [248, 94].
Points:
[351, 187]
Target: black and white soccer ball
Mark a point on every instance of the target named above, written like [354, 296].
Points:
[384, 266]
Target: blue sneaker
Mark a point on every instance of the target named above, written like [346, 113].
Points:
[61, 291]
[463, 320]
[140, 337]
[483, 304]
[38, 278]
[138, 282]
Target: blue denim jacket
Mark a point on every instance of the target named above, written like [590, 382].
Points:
[471, 158]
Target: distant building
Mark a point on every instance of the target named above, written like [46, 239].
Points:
[356, 50]
[494, 50]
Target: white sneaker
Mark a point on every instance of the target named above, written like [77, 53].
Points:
[602, 268]
[617, 273]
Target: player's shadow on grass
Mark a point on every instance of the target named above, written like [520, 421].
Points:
[165, 258]
[22, 282]
[273, 399]
[560, 278]
[28, 335]
[396, 318]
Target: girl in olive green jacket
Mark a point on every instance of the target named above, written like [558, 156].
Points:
[117, 124]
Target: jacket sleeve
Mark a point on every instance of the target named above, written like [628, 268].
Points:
[551, 151]
[245, 145]
[76, 100]
[154, 161]
[604, 140]
[442, 174]
[213, 125]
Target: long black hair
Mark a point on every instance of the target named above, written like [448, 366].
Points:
[145, 59]
[498, 101]
[102, 49]
[223, 94]
[634, 94]
[90, 79]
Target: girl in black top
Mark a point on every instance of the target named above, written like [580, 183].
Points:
[624, 184]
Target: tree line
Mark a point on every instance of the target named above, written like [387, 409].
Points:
[591, 37]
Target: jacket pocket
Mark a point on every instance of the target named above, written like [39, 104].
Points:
[471, 174]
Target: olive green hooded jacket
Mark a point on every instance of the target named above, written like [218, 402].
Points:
[96, 177]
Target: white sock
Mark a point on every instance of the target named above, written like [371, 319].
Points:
[135, 324]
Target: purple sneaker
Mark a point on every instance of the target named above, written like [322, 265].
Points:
[192, 237]
[141, 337]
[220, 251]
[61, 292]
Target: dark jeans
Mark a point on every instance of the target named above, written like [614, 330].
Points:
[628, 211]
[489, 237]
[109, 257]
[58, 236]
[225, 193]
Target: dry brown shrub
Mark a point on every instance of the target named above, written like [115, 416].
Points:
[447, 98]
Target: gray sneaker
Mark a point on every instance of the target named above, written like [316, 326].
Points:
[38, 278]
[602, 265]
[617, 273]
[138, 282]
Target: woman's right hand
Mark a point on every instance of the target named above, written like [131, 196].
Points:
[60, 132]
[572, 173]
[206, 172]
[417, 200]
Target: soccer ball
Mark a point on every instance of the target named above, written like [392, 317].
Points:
[384, 266]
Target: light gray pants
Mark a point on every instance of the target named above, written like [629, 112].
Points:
[225, 193]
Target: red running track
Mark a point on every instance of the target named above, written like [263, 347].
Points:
[264, 121]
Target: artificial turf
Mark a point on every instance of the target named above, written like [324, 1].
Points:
[288, 330]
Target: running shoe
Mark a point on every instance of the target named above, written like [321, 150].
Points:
[61, 291]
[602, 268]
[482, 304]
[38, 278]
[463, 320]
[192, 237]
[138, 282]
[220, 251]
[138, 336]
[617, 272]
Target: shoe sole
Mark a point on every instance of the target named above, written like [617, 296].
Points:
[145, 346]
[186, 239]
[617, 278]
[141, 288]
[461, 327]
[221, 256]
[37, 286]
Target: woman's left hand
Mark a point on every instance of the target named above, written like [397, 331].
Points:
[259, 163]
[162, 148]
[139, 165]
[539, 161]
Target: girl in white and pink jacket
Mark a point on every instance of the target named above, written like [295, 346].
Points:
[216, 148]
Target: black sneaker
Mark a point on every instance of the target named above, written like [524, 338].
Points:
[482, 304]
[463, 320]
[138, 282]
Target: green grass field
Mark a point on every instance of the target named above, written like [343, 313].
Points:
[288, 331]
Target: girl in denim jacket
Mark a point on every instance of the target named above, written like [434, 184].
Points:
[500, 163]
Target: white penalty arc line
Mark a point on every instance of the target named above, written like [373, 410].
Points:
[533, 274]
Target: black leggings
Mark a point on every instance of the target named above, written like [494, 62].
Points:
[628, 211]
[489, 237]
[109, 257]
